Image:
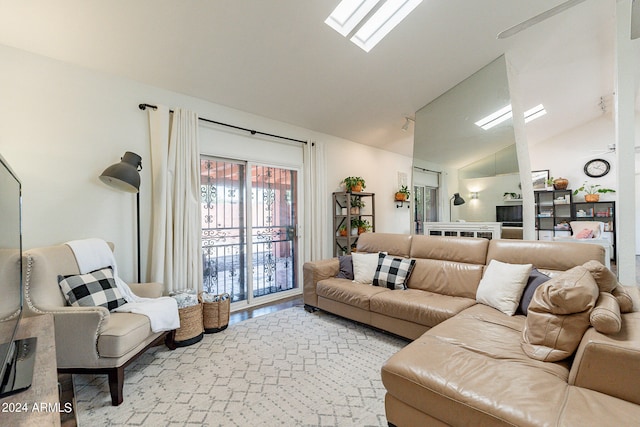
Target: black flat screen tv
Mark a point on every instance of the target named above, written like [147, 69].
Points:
[509, 216]
[17, 357]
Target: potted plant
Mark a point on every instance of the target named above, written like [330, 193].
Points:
[362, 225]
[354, 184]
[592, 192]
[402, 194]
[356, 204]
[549, 184]
[342, 231]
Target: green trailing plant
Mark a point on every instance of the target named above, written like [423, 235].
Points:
[403, 193]
[592, 189]
[357, 202]
[351, 183]
[361, 224]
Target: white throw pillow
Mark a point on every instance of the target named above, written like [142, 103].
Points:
[502, 285]
[364, 267]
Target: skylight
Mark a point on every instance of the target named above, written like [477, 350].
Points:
[348, 14]
[372, 24]
[505, 113]
[496, 118]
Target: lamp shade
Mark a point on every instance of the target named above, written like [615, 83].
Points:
[125, 175]
[457, 200]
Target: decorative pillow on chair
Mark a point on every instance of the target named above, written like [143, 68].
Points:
[393, 272]
[502, 285]
[584, 234]
[97, 288]
[595, 226]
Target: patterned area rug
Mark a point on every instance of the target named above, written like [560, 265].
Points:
[289, 368]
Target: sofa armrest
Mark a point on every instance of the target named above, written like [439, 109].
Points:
[147, 290]
[313, 272]
[77, 330]
[610, 364]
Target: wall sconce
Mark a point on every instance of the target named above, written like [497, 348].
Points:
[474, 195]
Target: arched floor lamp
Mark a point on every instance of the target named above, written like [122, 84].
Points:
[125, 176]
[457, 201]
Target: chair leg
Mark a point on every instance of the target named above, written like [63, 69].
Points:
[116, 384]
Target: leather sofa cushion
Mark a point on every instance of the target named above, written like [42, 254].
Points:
[446, 277]
[610, 364]
[553, 256]
[393, 244]
[605, 316]
[558, 315]
[459, 249]
[471, 367]
[123, 333]
[606, 280]
[422, 307]
[348, 292]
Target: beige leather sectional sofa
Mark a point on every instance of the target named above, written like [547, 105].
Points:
[466, 364]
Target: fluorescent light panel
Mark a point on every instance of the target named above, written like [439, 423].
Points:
[351, 13]
[505, 113]
[348, 14]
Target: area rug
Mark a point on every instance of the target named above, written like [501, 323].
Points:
[288, 368]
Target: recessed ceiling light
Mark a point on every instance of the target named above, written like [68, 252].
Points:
[371, 24]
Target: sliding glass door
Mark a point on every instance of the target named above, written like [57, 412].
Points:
[425, 206]
[249, 228]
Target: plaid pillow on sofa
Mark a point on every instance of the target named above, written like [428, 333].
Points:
[97, 288]
[393, 272]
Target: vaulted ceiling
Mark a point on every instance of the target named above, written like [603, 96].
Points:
[279, 60]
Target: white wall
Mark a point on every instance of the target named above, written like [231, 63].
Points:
[490, 194]
[62, 125]
[566, 154]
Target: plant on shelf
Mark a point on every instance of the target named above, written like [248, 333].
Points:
[342, 231]
[356, 204]
[402, 194]
[354, 184]
[592, 192]
[361, 224]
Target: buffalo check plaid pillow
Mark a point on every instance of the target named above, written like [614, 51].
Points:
[97, 288]
[393, 272]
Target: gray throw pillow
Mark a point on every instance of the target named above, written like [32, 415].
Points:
[536, 278]
[346, 267]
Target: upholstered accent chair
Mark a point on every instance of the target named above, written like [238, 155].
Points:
[591, 232]
[89, 340]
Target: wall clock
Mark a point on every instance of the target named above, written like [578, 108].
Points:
[597, 168]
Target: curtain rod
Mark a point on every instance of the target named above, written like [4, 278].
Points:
[251, 131]
[426, 170]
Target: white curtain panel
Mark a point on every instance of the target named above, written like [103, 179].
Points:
[317, 239]
[176, 243]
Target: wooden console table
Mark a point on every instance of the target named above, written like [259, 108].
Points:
[39, 405]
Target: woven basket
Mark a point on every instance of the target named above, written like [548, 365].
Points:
[191, 329]
[215, 315]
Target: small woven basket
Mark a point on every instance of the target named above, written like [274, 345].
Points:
[215, 315]
[191, 329]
